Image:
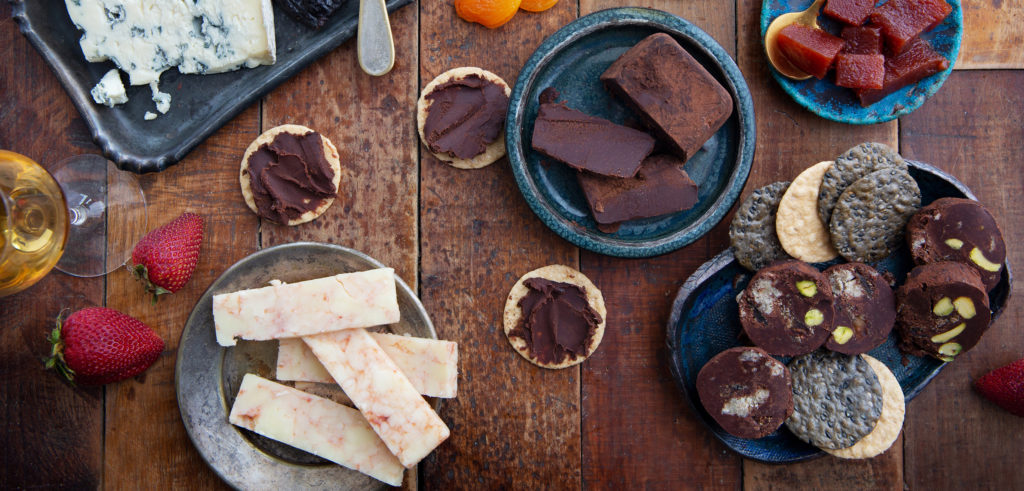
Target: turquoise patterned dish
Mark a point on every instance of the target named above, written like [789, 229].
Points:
[571, 60]
[828, 100]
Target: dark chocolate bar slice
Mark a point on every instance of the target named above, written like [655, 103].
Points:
[589, 143]
[660, 186]
[677, 97]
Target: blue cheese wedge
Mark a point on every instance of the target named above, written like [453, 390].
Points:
[110, 91]
[146, 37]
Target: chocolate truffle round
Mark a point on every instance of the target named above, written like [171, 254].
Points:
[837, 399]
[868, 220]
[865, 308]
[460, 117]
[849, 167]
[746, 391]
[290, 174]
[554, 316]
[956, 229]
[942, 310]
[752, 232]
[786, 308]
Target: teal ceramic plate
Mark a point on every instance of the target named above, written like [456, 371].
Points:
[705, 321]
[828, 100]
[571, 60]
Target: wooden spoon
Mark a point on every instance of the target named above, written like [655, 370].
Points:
[808, 18]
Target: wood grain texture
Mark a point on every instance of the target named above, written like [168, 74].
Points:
[790, 139]
[514, 425]
[146, 443]
[992, 34]
[968, 130]
[714, 18]
[369, 119]
[52, 433]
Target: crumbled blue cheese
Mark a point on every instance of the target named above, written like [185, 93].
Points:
[162, 99]
[149, 116]
[110, 91]
[146, 37]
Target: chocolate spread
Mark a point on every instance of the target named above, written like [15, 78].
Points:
[290, 176]
[557, 320]
[464, 116]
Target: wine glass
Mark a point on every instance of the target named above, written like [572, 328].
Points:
[84, 217]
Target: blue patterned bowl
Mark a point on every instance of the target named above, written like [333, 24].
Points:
[705, 321]
[830, 101]
[571, 60]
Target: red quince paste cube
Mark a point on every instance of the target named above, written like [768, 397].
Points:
[860, 71]
[862, 40]
[911, 66]
[852, 12]
[903, 20]
[811, 50]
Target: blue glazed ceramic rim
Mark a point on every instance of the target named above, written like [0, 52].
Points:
[568, 35]
[903, 101]
[708, 270]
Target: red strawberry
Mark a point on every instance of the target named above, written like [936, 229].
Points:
[165, 258]
[97, 346]
[1005, 387]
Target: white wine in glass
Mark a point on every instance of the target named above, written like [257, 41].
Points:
[34, 222]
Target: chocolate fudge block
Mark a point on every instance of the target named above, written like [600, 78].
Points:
[918, 61]
[660, 186]
[865, 40]
[587, 142]
[852, 12]
[903, 20]
[677, 98]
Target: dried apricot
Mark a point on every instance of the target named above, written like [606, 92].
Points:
[489, 13]
[537, 5]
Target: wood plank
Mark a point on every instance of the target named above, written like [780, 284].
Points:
[146, 444]
[45, 448]
[637, 426]
[967, 130]
[789, 139]
[992, 35]
[370, 120]
[514, 425]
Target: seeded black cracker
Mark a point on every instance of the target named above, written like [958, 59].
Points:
[837, 399]
[752, 232]
[852, 165]
[867, 222]
[313, 13]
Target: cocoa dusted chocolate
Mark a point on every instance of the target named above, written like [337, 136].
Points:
[464, 116]
[942, 310]
[746, 391]
[787, 308]
[865, 308]
[557, 320]
[956, 229]
[677, 97]
[587, 142]
[660, 186]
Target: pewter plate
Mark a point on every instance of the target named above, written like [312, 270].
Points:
[207, 375]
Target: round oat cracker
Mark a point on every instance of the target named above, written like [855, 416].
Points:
[800, 230]
[563, 274]
[889, 423]
[494, 151]
[330, 152]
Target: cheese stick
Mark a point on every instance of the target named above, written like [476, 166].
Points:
[394, 408]
[314, 424]
[344, 301]
[430, 365]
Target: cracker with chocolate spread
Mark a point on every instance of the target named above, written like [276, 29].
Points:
[554, 316]
[460, 117]
[297, 173]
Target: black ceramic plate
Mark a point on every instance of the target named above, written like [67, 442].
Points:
[200, 103]
[705, 321]
[207, 376]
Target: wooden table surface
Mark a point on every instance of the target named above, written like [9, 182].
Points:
[464, 237]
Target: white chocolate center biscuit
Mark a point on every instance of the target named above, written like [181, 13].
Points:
[889, 423]
[800, 230]
[563, 274]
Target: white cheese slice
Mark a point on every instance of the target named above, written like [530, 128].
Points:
[344, 301]
[319, 426]
[110, 91]
[395, 410]
[431, 365]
